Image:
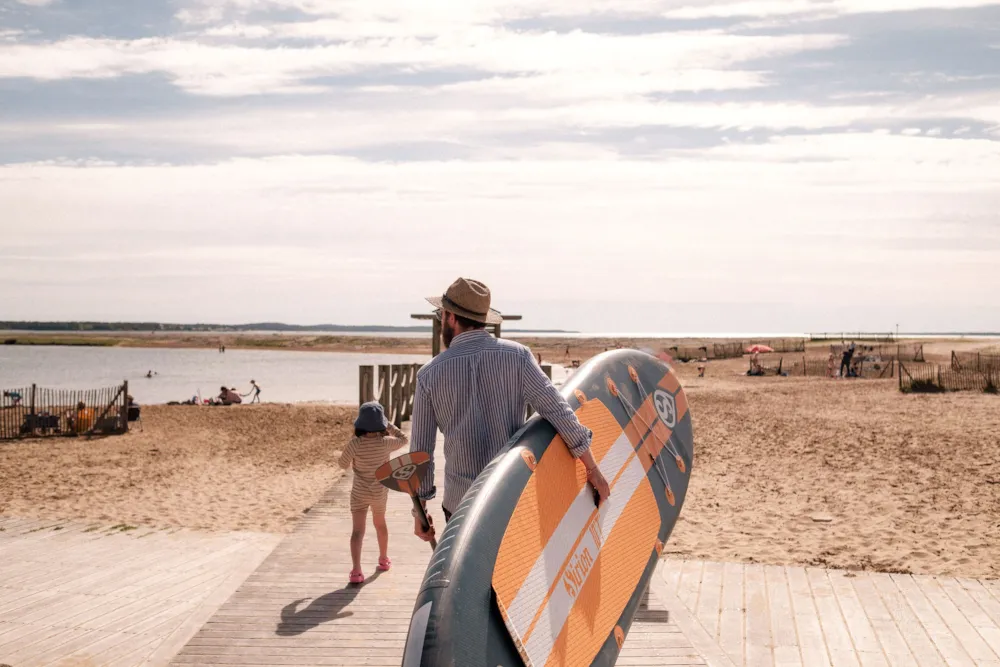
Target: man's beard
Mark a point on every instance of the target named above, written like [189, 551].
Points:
[447, 333]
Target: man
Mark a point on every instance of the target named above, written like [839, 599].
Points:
[475, 392]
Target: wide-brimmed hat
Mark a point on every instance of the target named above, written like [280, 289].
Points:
[371, 418]
[469, 299]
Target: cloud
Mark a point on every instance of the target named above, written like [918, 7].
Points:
[588, 217]
[36, 3]
[234, 70]
[444, 12]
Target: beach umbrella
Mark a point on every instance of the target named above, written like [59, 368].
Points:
[758, 349]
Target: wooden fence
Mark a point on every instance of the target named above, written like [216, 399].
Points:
[39, 412]
[908, 352]
[727, 350]
[392, 385]
[974, 361]
[933, 378]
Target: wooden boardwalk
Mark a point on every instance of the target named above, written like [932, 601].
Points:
[762, 615]
[297, 608]
[89, 594]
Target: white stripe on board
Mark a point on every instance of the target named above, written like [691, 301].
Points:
[531, 595]
[543, 637]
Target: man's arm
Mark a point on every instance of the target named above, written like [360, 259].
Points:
[423, 435]
[549, 403]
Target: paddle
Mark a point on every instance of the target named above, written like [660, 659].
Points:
[403, 473]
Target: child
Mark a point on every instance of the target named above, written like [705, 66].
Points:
[374, 440]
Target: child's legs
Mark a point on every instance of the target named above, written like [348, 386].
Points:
[381, 532]
[378, 519]
[357, 536]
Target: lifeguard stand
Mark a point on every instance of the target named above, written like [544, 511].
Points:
[436, 329]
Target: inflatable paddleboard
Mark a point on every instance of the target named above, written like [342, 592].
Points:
[529, 570]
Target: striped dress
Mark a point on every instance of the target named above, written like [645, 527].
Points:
[364, 455]
[476, 392]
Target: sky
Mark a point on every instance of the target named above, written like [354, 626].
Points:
[626, 166]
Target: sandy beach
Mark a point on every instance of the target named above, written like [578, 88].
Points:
[219, 468]
[840, 473]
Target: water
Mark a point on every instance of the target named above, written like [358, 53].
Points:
[285, 377]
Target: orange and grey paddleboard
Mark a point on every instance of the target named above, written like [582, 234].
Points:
[530, 569]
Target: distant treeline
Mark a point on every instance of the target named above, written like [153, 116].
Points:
[221, 328]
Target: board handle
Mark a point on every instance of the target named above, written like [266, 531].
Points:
[424, 523]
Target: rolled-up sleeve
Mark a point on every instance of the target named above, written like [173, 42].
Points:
[423, 435]
[542, 395]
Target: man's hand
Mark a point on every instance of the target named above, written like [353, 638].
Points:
[596, 479]
[418, 528]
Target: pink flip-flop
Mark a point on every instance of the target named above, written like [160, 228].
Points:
[384, 564]
[357, 577]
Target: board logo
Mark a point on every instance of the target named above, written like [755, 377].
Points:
[666, 407]
[577, 571]
[404, 472]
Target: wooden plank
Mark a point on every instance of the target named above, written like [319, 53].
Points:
[862, 633]
[732, 616]
[758, 618]
[690, 583]
[812, 643]
[838, 637]
[946, 643]
[962, 629]
[894, 646]
[784, 638]
[921, 646]
[976, 616]
[710, 598]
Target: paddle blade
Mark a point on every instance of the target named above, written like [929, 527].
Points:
[404, 472]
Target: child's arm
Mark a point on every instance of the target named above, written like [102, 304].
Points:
[347, 456]
[398, 435]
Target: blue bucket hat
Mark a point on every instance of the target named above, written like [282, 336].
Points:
[371, 417]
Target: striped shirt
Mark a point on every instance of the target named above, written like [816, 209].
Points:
[365, 455]
[476, 392]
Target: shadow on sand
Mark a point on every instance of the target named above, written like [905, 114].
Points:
[326, 608]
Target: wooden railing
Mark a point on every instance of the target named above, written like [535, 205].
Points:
[392, 385]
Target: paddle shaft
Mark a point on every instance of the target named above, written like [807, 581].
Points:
[425, 524]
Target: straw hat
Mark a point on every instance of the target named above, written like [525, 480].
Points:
[468, 298]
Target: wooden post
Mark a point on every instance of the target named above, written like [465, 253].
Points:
[496, 330]
[125, 409]
[384, 386]
[436, 338]
[32, 404]
[366, 384]
[397, 395]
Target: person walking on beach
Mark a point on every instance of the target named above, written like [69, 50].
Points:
[255, 391]
[475, 391]
[375, 438]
